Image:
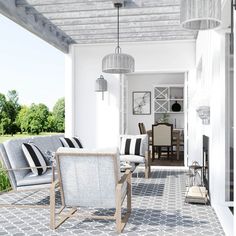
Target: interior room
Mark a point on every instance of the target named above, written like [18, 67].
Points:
[165, 89]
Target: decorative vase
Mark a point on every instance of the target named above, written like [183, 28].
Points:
[176, 106]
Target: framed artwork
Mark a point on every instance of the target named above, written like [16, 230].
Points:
[142, 103]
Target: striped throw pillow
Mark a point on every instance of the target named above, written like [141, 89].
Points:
[35, 158]
[71, 142]
[133, 144]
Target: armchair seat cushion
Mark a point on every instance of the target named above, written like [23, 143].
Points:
[31, 179]
[132, 158]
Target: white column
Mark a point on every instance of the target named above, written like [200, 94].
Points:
[70, 93]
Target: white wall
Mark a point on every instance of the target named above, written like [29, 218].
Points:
[209, 90]
[147, 82]
[97, 122]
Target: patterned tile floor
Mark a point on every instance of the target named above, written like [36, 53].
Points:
[158, 209]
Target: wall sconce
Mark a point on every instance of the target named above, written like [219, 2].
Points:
[101, 85]
[204, 114]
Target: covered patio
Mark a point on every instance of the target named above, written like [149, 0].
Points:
[197, 63]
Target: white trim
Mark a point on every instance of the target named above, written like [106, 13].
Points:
[226, 218]
[157, 72]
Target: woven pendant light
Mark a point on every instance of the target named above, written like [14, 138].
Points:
[118, 62]
[101, 85]
[200, 14]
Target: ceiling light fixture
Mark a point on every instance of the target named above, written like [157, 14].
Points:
[200, 14]
[118, 62]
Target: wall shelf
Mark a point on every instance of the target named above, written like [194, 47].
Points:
[164, 97]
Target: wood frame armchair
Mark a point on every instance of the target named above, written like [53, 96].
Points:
[79, 187]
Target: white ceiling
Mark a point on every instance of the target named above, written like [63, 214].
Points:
[95, 21]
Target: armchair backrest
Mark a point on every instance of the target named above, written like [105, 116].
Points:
[88, 178]
[162, 134]
[133, 144]
[142, 128]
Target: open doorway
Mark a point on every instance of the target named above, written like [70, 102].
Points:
[158, 97]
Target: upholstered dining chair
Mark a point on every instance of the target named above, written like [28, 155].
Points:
[90, 179]
[162, 136]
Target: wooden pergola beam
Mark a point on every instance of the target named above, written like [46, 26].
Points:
[163, 19]
[113, 12]
[95, 5]
[36, 24]
[77, 25]
[90, 4]
[105, 31]
[141, 39]
[52, 2]
[132, 35]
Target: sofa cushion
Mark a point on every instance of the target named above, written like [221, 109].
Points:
[73, 142]
[47, 143]
[133, 144]
[31, 179]
[132, 158]
[35, 158]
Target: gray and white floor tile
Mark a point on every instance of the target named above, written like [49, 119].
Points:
[158, 208]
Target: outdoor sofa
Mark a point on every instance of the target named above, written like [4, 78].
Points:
[20, 175]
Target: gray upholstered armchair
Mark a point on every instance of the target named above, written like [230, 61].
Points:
[134, 148]
[91, 179]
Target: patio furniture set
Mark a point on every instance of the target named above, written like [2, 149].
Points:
[84, 178]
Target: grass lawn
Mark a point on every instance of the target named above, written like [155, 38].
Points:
[7, 137]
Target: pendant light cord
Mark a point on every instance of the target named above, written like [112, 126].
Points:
[233, 7]
[118, 49]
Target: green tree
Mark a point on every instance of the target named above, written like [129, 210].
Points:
[59, 115]
[3, 103]
[33, 119]
[9, 109]
[36, 118]
[21, 119]
[5, 123]
[4, 120]
[52, 125]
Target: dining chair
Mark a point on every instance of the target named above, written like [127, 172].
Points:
[143, 130]
[162, 136]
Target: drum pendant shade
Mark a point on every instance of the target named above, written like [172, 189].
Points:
[200, 14]
[118, 62]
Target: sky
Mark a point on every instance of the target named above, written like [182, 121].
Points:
[31, 66]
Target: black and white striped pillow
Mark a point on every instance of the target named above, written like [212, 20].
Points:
[35, 158]
[133, 145]
[71, 142]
